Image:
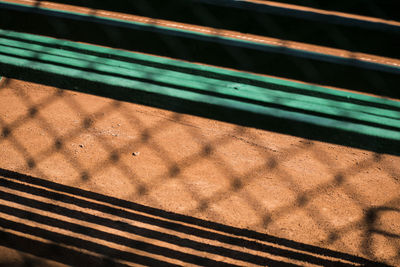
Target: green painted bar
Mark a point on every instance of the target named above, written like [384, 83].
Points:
[199, 98]
[208, 84]
[197, 67]
[116, 67]
[204, 83]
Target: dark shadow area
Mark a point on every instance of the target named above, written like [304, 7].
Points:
[50, 251]
[287, 24]
[281, 62]
[140, 213]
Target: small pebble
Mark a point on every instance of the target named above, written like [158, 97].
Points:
[81, 146]
[135, 154]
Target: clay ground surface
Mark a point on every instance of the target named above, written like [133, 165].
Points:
[278, 185]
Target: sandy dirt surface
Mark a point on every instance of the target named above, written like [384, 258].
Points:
[285, 188]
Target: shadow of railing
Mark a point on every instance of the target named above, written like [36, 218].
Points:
[164, 221]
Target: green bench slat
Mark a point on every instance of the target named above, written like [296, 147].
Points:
[198, 67]
[309, 103]
[51, 55]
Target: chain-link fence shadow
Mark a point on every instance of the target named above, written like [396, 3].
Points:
[56, 196]
[44, 217]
